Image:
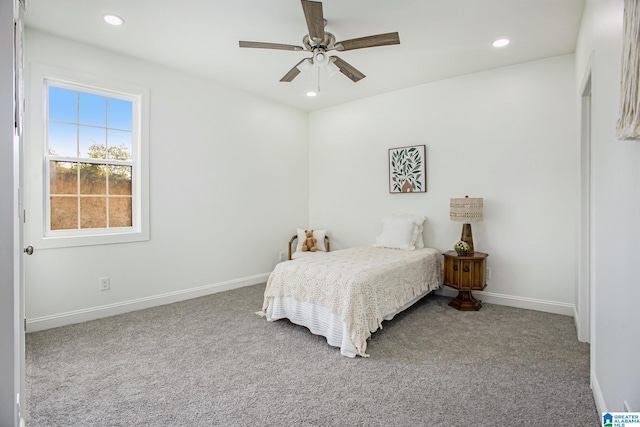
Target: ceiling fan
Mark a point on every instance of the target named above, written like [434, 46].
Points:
[319, 42]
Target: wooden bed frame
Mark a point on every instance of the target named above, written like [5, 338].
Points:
[327, 244]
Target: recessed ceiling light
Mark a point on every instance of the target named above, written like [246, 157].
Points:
[112, 19]
[311, 94]
[501, 42]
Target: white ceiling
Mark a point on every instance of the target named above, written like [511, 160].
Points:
[439, 39]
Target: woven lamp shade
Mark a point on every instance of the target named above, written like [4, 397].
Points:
[466, 210]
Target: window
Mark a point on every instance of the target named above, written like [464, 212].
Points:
[90, 158]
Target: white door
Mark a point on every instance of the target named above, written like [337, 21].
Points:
[19, 293]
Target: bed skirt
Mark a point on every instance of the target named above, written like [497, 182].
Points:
[321, 321]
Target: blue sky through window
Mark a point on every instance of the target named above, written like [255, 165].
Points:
[79, 119]
[93, 109]
[63, 105]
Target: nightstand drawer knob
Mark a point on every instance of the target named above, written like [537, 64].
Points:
[455, 267]
[465, 268]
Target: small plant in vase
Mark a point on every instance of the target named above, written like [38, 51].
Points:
[461, 247]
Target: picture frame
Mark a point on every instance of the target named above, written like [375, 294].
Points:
[408, 169]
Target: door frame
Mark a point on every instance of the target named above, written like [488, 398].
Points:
[586, 249]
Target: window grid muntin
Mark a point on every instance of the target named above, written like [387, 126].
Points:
[132, 163]
[79, 89]
[79, 195]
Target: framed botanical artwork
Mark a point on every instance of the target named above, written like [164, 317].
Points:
[408, 169]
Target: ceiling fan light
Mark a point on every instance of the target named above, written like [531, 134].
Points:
[305, 66]
[320, 59]
[332, 69]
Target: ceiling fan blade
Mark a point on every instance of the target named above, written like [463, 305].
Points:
[292, 73]
[347, 69]
[278, 46]
[369, 41]
[315, 19]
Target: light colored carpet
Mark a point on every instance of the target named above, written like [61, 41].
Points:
[212, 362]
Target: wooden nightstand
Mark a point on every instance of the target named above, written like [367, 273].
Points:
[465, 273]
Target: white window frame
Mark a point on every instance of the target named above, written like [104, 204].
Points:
[38, 213]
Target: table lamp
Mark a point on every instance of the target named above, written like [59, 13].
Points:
[466, 210]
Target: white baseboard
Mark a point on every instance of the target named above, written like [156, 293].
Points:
[83, 315]
[515, 301]
[597, 395]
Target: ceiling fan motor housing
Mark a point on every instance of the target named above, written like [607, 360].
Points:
[327, 43]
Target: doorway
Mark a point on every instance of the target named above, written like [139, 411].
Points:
[585, 238]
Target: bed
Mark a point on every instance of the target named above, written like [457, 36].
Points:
[345, 295]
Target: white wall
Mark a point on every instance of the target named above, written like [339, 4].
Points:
[508, 135]
[228, 178]
[616, 179]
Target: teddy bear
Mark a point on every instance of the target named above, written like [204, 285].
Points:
[310, 242]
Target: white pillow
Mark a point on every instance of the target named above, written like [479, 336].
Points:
[420, 240]
[318, 234]
[399, 232]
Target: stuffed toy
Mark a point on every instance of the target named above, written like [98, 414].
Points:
[310, 243]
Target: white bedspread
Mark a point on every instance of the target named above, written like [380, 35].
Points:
[361, 285]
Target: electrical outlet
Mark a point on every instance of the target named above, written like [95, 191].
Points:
[488, 273]
[105, 284]
[282, 258]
